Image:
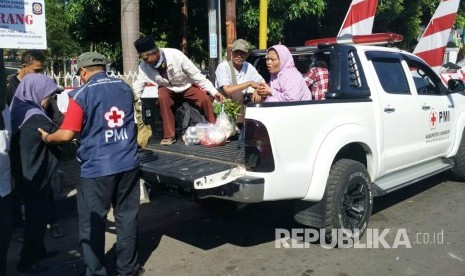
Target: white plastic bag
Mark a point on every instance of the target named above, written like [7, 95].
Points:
[214, 136]
[225, 123]
[195, 134]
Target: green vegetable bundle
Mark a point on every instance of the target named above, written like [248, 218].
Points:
[230, 108]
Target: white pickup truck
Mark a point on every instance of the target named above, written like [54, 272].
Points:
[388, 121]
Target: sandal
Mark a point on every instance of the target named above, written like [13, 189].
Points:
[167, 141]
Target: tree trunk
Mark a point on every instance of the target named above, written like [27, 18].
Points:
[129, 33]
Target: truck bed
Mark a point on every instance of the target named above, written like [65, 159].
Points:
[175, 168]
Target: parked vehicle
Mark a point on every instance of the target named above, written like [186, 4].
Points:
[388, 121]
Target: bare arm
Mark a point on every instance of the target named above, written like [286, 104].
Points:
[58, 137]
[229, 89]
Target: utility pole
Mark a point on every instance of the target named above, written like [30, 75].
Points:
[262, 34]
[184, 27]
[230, 25]
[212, 39]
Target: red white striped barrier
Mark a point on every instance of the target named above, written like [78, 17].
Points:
[432, 44]
[359, 18]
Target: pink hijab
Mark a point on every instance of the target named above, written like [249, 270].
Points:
[288, 84]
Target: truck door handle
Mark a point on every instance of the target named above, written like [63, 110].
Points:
[389, 109]
[425, 107]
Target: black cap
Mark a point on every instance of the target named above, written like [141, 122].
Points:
[145, 44]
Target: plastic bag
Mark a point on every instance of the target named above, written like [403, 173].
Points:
[226, 124]
[214, 136]
[194, 134]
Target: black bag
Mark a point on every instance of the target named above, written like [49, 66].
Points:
[187, 116]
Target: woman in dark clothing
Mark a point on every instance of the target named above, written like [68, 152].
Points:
[33, 164]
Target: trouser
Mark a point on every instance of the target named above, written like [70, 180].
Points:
[17, 213]
[94, 198]
[167, 99]
[36, 213]
[238, 97]
[52, 209]
[16, 210]
[5, 231]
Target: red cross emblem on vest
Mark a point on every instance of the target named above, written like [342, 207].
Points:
[114, 117]
[433, 119]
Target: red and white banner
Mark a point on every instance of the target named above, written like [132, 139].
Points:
[22, 25]
[432, 44]
[359, 18]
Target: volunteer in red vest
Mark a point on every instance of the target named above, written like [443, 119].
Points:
[102, 112]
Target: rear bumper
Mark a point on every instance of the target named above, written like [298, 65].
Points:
[243, 189]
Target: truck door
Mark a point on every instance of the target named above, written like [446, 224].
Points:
[400, 128]
[437, 110]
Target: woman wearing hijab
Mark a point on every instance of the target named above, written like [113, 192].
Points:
[5, 179]
[33, 164]
[286, 82]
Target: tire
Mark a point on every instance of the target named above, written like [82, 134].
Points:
[349, 199]
[458, 171]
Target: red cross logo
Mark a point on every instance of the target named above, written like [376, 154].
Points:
[433, 119]
[114, 117]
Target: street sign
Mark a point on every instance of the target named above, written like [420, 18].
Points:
[22, 24]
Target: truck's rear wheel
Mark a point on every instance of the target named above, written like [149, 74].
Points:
[349, 199]
[458, 171]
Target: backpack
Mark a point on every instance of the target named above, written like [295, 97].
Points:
[187, 116]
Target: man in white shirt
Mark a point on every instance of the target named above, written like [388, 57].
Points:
[178, 80]
[235, 77]
[5, 183]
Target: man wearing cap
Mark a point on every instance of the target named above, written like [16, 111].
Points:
[175, 76]
[234, 77]
[102, 112]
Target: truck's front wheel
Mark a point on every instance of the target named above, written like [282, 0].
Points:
[349, 199]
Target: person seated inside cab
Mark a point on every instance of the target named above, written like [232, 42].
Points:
[317, 79]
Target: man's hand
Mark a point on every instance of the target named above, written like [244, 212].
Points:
[43, 134]
[254, 85]
[219, 97]
[264, 90]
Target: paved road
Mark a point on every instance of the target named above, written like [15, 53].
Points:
[178, 237]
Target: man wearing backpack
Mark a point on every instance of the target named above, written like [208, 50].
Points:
[175, 76]
[234, 77]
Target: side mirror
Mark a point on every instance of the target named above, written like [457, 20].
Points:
[455, 86]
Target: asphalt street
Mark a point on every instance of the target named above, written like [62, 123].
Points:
[179, 237]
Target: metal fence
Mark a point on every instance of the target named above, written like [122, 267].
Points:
[69, 80]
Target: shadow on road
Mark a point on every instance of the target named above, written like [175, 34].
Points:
[210, 226]
[205, 228]
[384, 202]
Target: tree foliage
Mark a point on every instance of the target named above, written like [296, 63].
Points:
[95, 24]
[60, 44]
[281, 13]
